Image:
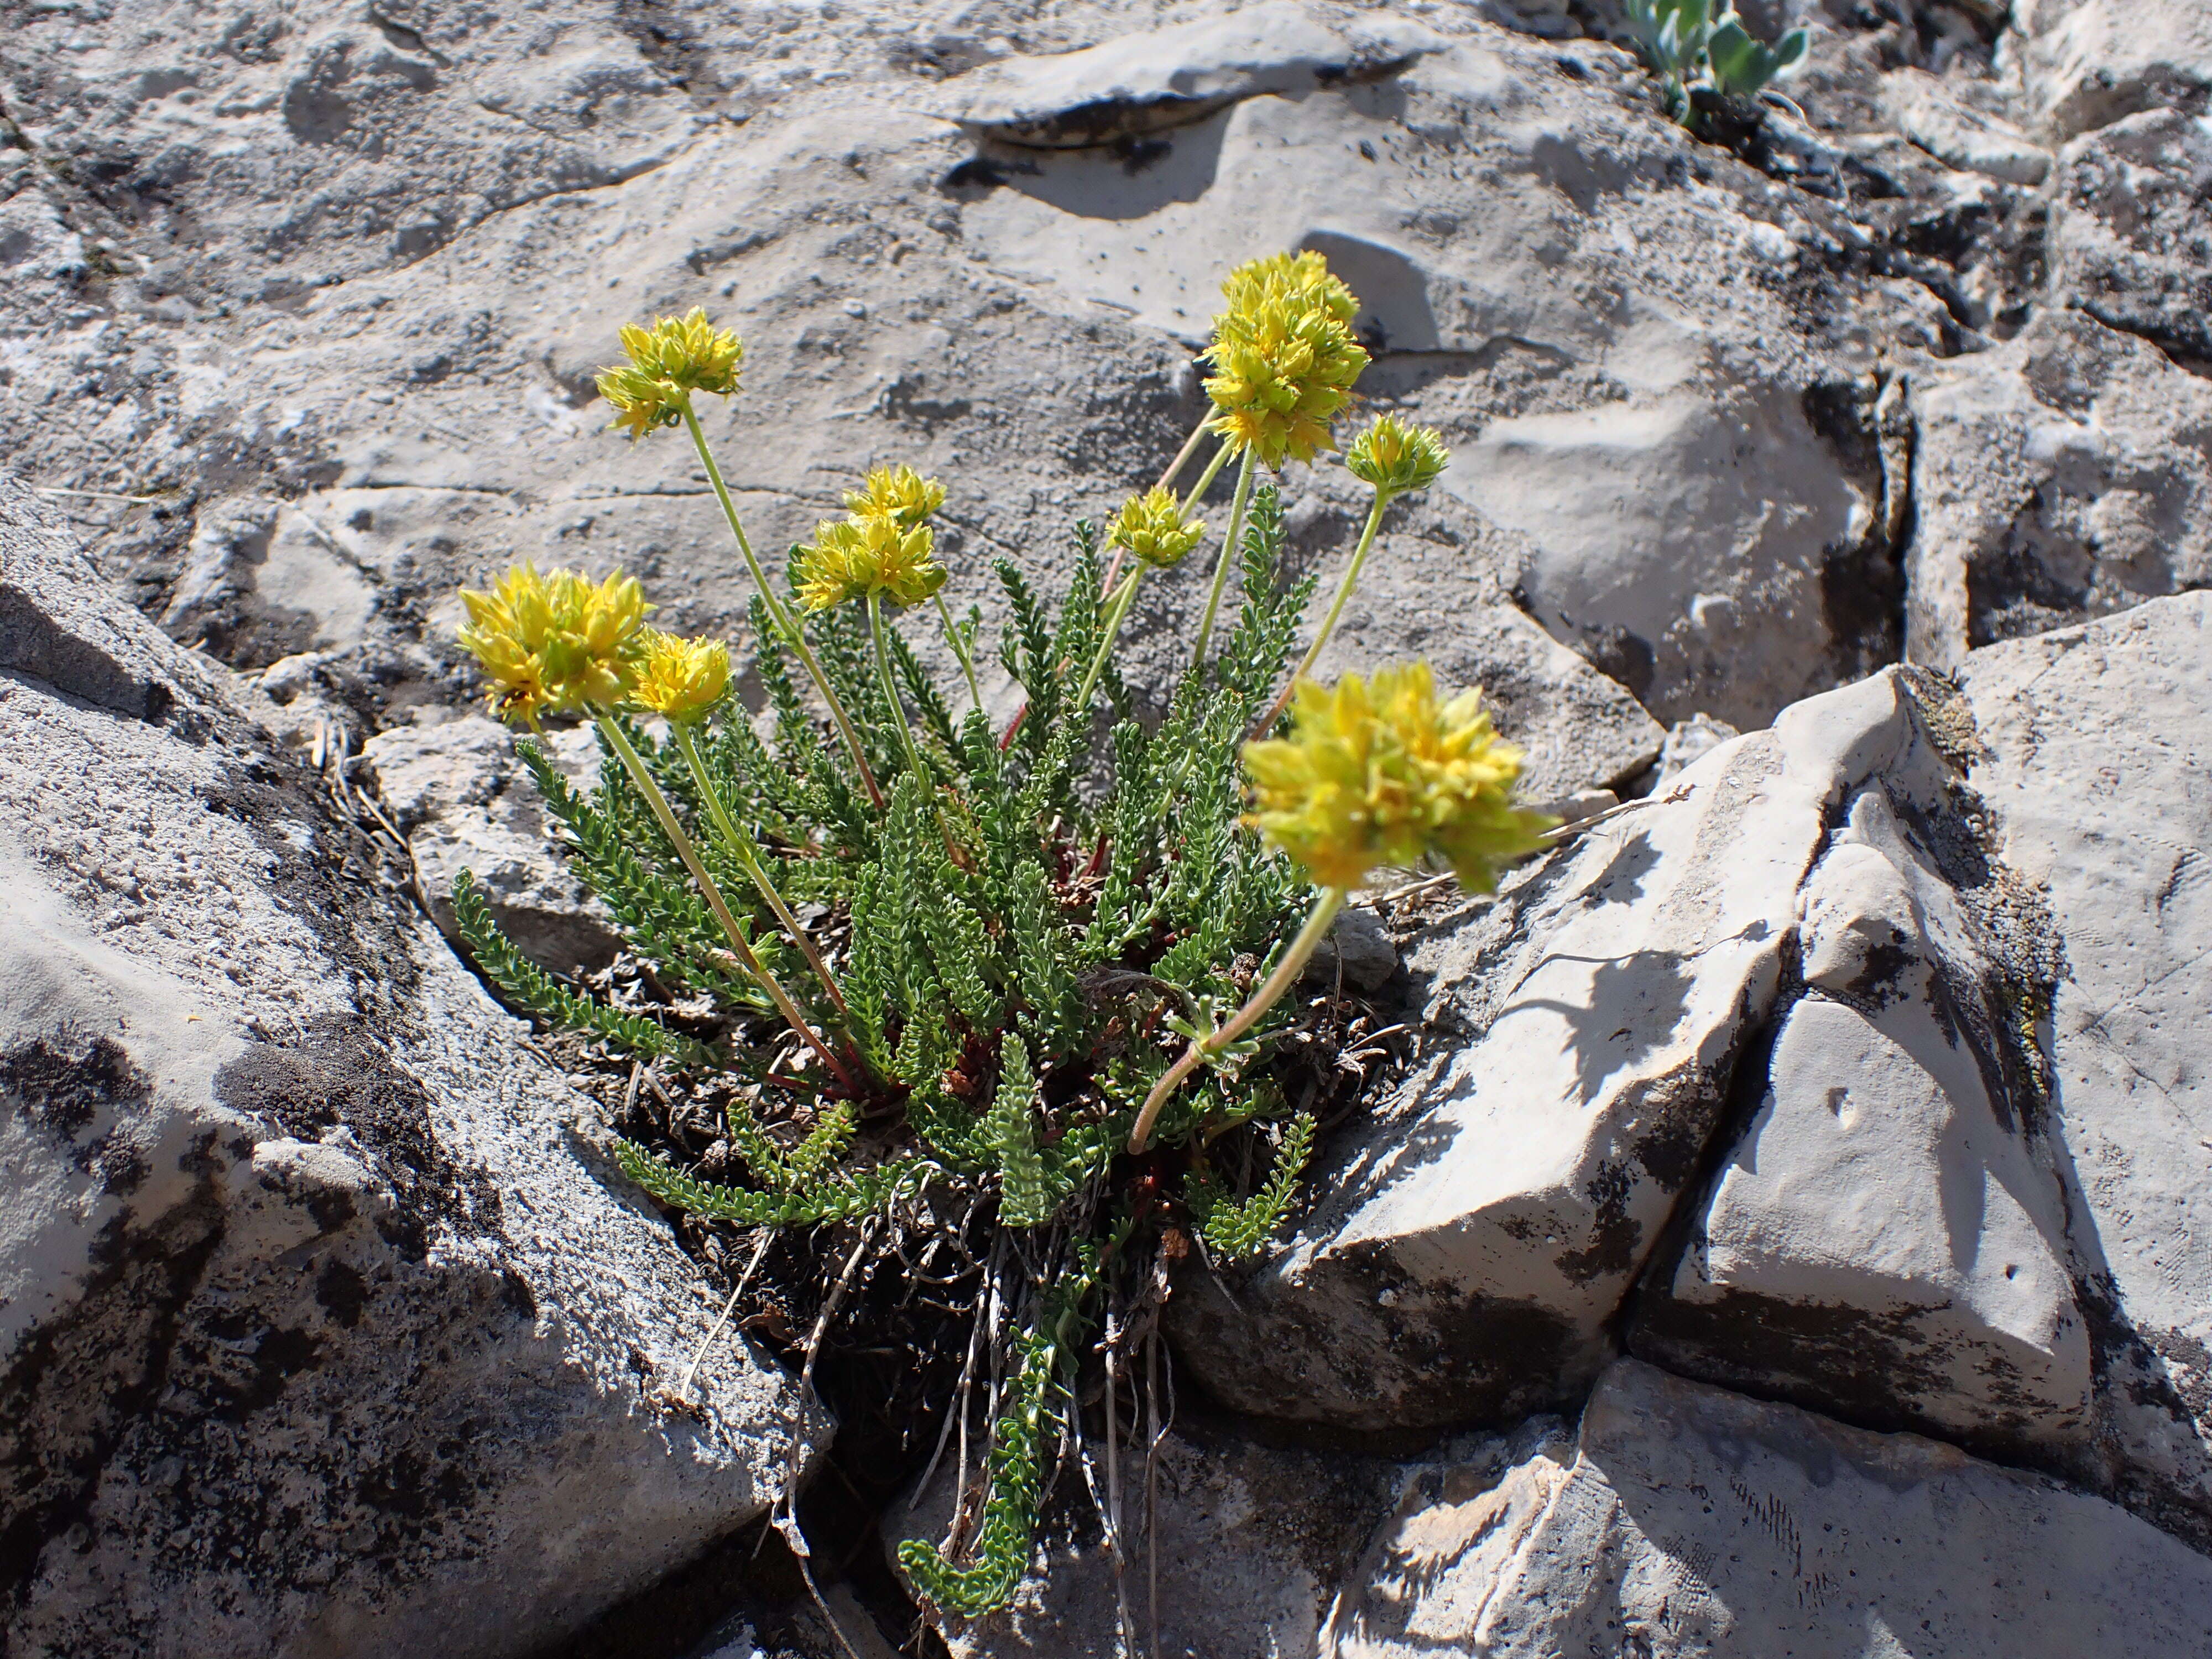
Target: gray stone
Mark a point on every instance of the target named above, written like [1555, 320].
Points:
[2064, 476]
[2096, 765]
[1689, 741]
[2131, 230]
[462, 800]
[1171, 77]
[322, 1328]
[365, 268]
[1687, 1521]
[1465, 1262]
[2086, 63]
[1887, 1240]
[1932, 114]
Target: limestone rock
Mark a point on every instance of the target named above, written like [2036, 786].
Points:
[2089, 62]
[1684, 1520]
[1146, 82]
[321, 1328]
[1550, 271]
[462, 800]
[2131, 229]
[1932, 114]
[2062, 476]
[1465, 1262]
[2097, 743]
[1887, 1240]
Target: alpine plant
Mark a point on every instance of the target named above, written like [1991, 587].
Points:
[972, 965]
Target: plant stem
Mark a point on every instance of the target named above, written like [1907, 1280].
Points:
[1228, 552]
[1205, 479]
[959, 648]
[778, 614]
[1183, 456]
[1116, 609]
[742, 849]
[890, 691]
[1328, 623]
[635, 765]
[1286, 975]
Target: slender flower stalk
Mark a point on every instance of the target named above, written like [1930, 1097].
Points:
[1228, 552]
[779, 613]
[959, 644]
[635, 765]
[1373, 773]
[741, 847]
[1116, 608]
[1284, 977]
[1396, 459]
[1266, 721]
[1184, 455]
[891, 690]
[1221, 459]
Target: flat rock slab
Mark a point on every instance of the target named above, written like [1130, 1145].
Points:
[1684, 1520]
[2098, 768]
[321, 1325]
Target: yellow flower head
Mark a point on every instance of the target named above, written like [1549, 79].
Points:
[1396, 458]
[676, 355]
[688, 351]
[1152, 527]
[640, 402]
[1306, 275]
[862, 556]
[1378, 773]
[1284, 356]
[681, 679]
[897, 492]
[556, 641]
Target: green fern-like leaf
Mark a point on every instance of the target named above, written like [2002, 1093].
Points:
[530, 987]
[1015, 1466]
[1237, 1231]
[1024, 1200]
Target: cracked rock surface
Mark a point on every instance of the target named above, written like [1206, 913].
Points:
[319, 1330]
[1857, 1079]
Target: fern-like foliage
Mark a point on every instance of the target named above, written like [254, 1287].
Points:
[1016, 1462]
[1015, 935]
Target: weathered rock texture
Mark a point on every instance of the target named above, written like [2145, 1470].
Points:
[2097, 762]
[1589, 1027]
[318, 1330]
[331, 286]
[2064, 474]
[1684, 1520]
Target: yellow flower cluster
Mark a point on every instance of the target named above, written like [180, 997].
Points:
[897, 492]
[860, 556]
[1152, 527]
[676, 356]
[681, 679]
[1396, 458]
[557, 642]
[1380, 773]
[1284, 356]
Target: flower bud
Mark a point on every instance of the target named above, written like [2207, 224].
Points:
[1396, 458]
[1152, 527]
[861, 557]
[553, 642]
[897, 492]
